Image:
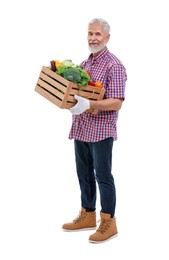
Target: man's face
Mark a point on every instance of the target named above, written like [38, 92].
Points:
[97, 38]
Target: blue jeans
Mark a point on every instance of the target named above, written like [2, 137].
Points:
[94, 164]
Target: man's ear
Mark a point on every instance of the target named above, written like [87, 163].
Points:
[107, 38]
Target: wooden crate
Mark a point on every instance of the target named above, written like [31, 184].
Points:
[61, 91]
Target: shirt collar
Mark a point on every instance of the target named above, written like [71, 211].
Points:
[99, 56]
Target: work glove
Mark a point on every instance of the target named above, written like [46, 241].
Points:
[81, 106]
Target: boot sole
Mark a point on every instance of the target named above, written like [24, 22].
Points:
[99, 242]
[80, 229]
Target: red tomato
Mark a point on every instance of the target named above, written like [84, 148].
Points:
[91, 83]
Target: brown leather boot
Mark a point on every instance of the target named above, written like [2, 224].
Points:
[106, 230]
[85, 221]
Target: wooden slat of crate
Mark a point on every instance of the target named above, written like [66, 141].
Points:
[92, 93]
[61, 91]
[55, 76]
[53, 83]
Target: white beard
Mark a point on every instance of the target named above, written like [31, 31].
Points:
[98, 49]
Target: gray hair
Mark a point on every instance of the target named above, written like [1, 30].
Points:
[103, 22]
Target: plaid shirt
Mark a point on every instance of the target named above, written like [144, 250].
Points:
[109, 70]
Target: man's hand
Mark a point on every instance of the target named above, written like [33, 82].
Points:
[81, 106]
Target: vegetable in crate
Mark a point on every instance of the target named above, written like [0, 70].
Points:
[72, 74]
[85, 77]
[68, 63]
[52, 65]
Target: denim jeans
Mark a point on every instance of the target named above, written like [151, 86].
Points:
[94, 166]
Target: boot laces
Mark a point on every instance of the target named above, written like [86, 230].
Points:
[104, 225]
[80, 217]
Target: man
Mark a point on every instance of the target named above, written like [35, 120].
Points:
[94, 135]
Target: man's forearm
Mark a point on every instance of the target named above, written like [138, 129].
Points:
[106, 104]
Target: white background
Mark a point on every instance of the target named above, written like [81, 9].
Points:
[38, 185]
